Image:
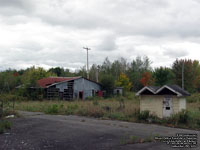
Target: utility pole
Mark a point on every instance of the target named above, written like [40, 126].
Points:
[87, 49]
[183, 75]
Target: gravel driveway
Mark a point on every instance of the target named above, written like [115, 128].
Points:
[38, 131]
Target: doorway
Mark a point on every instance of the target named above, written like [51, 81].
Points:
[80, 95]
[167, 107]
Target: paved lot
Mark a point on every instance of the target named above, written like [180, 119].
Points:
[36, 131]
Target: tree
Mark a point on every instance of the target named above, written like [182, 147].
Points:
[123, 81]
[146, 79]
[58, 71]
[29, 80]
[93, 72]
[9, 79]
[107, 82]
[191, 73]
[81, 72]
[136, 69]
[163, 76]
[30, 77]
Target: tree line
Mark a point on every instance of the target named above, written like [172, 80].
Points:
[132, 76]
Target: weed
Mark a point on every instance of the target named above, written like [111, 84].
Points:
[95, 102]
[118, 116]
[149, 138]
[144, 115]
[71, 109]
[52, 109]
[133, 139]
[183, 117]
[4, 125]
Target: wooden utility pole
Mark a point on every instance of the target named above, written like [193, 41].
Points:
[87, 49]
[183, 75]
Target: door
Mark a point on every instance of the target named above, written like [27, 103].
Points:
[80, 95]
[167, 107]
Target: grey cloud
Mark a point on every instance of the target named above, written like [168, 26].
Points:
[12, 3]
[108, 43]
[175, 53]
[47, 32]
[16, 7]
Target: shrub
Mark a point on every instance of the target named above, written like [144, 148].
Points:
[89, 98]
[144, 115]
[95, 102]
[118, 116]
[95, 112]
[183, 116]
[52, 109]
[193, 98]
[4, 124]
[71, 109]
[179, 118]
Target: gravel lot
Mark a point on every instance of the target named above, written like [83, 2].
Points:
[37, 131]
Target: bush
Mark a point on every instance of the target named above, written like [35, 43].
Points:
[193, 98]
[95, 102]
[183, 117]
[179, 118]
[71, 109]
[144, 115]
[52, 109]
[4, 125]
[118, 116]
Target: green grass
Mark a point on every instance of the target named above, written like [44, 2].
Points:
[131, 139]
[4, 125]
[112, 108]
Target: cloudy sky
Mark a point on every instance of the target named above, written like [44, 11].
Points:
[52, 33]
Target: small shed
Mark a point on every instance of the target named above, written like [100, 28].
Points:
[118, 90]
[162, 101]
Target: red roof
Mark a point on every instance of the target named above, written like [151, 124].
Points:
[50, 80]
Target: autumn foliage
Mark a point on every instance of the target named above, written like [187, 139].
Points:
[146, 79]
[123, 81]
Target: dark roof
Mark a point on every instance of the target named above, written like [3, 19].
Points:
[156, 90]
[179, 89]
[153, 88]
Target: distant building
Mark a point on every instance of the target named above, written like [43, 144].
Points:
[68, 88]
[162, 101]
[118, 91]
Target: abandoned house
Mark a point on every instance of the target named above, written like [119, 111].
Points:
[68, 88]
[162, 101]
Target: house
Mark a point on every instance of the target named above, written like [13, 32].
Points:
[118, 91]
[68, 88]
[162, 101]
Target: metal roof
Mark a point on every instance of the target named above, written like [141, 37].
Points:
[45, 82]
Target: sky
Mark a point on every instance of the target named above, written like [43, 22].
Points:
[51, 33]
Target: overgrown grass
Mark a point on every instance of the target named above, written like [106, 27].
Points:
[131, 139]
[98, 108]
[4, 125]
[124, 108]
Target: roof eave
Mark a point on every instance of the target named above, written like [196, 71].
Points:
[144, 88]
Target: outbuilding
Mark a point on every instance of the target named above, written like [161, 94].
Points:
[162, 101]
[68, 88]
[118, 91]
